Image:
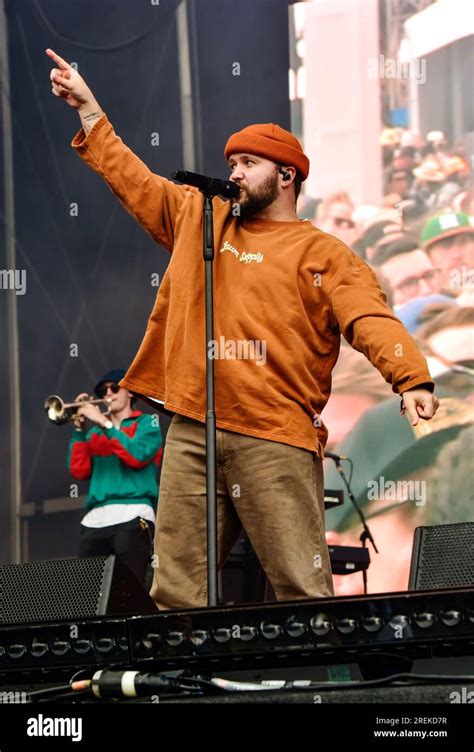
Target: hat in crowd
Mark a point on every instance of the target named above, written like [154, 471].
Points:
[454, 165]
[431, 171]
[435, 137]
[115, 375]
[444, 225]
[390, 136]
[365, 214]
[380, 230]
[393, 455]
[396, 245]
[452, 416]
[272, 142]
[382, 215]
[411, 313]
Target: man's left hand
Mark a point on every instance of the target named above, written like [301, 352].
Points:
[419, 403]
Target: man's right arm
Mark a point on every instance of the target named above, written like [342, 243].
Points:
[151, 199]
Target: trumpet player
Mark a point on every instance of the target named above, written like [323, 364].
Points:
[120, 455]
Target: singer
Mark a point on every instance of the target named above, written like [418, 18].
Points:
[307, 289]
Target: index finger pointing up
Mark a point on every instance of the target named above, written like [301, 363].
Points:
[58, 60]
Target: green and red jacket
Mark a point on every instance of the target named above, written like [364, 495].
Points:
[121, 462]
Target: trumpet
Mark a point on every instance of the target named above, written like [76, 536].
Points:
[60, 412]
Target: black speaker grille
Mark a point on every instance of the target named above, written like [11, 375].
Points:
[446, 556]
[54, 589]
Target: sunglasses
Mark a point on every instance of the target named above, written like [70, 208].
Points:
[103, 388]
[347, 224]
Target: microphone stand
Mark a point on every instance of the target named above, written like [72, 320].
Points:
[209, 187]
[211, 459]
[366, 534]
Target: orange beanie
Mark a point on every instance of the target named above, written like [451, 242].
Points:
[271, 142]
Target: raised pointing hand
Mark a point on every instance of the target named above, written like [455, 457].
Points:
[67, 83]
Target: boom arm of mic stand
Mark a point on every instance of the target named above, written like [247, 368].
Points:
[366, 535]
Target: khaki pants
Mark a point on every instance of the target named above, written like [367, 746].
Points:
[273, 490]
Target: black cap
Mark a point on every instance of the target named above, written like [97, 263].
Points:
[115, 375]
[379, 230]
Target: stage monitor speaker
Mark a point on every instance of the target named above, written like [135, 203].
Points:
[70, 589]
[442, 556]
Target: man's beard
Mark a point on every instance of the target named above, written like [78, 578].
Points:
[254, 202]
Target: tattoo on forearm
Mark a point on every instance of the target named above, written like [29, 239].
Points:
[89, 120]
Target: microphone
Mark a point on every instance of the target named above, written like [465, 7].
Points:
[335, 457]
[211, 186]
[106, 683]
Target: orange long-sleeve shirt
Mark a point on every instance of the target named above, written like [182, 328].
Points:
[283, 294]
